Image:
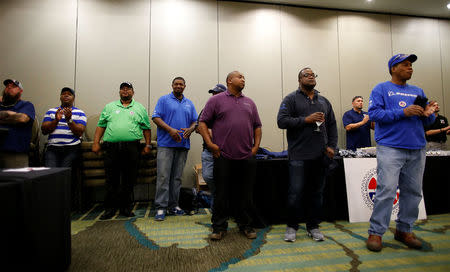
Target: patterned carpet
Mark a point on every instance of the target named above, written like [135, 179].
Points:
[180, 244]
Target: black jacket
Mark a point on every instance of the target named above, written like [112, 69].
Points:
[303, 142]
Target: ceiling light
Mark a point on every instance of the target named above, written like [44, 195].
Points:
[448, 5]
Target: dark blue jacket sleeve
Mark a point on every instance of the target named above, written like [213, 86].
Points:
[285, 118]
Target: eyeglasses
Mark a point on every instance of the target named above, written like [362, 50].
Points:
[310, 75]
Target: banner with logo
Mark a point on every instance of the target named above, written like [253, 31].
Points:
[361, 183]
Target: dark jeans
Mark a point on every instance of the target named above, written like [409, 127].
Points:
[66, 156]
[306, 184]
[121, 170]
[62, 156]
[234, 180]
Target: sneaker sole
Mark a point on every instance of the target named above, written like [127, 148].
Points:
[315, 239]
[289, 240]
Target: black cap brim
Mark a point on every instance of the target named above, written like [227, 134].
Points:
[67, 89]
[125, 84]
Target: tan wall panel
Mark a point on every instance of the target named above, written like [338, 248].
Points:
[420, 36]
[309, 39]
[249, 41]
[184, 43]
[113, 46]
[444, 34]
[364, 50]
[37, 51]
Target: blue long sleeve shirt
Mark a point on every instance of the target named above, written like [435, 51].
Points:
[392, 127]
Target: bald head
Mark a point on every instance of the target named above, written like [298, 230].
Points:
[235, 81]
[230, 75]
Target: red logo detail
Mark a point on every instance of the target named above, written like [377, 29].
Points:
[372, 184]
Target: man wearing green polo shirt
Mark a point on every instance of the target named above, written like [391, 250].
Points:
[122, 125]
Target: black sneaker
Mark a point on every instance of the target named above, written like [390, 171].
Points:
[108, 214]
[127, 212]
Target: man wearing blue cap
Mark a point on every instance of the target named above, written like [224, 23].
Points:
[16, 122]
[400, 112]
[65, 126]
[207, 156]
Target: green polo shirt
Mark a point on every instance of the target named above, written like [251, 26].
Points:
[123, 123]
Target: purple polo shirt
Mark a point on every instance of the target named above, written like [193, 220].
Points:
[233, 121]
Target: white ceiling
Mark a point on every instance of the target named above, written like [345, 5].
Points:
[427, 8]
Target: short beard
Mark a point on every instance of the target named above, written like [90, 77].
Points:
[66, 105]
[126, 98]
[10, 100]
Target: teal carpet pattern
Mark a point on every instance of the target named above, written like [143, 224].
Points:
[183, 242]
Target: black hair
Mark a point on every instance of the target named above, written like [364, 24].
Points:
[179, 78]
[356, 97]
[300, 73]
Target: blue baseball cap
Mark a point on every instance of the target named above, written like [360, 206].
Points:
[67, 89]
[218, 89]
[13, 81]
[399, 58]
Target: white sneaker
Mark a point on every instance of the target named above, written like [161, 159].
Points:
[316, 235]
[290, 234]
[160, 215]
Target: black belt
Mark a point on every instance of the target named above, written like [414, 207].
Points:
[121, 144]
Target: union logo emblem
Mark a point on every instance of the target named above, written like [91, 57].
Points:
[369, 189]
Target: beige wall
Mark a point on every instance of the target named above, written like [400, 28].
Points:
[93, 45]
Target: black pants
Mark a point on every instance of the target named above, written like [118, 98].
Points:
[234, 180]
[121, 169]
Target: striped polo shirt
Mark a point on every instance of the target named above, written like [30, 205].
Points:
[62, 135]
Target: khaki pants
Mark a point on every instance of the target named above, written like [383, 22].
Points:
[13, 159]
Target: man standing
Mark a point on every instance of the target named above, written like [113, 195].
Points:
[236, 135]
[312, 139]
[122, 123]
[65, 126]
[207, 156]
[400, 141]
[176, 118]
[437, 132]
[16, 121]
[357, 124]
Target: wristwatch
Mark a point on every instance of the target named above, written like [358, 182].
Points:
[70, 121]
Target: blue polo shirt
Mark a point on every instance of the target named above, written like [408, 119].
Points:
[19, 136]
[177, 114]
[359, 137]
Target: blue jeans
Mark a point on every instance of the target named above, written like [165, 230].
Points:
[61, 156]
[306, 180]
[170, 163]
[402, 167]
[208, 170]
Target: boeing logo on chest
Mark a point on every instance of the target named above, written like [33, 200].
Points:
[392, 93]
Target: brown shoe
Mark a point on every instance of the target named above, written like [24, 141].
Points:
[408, 238]
[217, 235]
[249, 233]
[374, 243]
